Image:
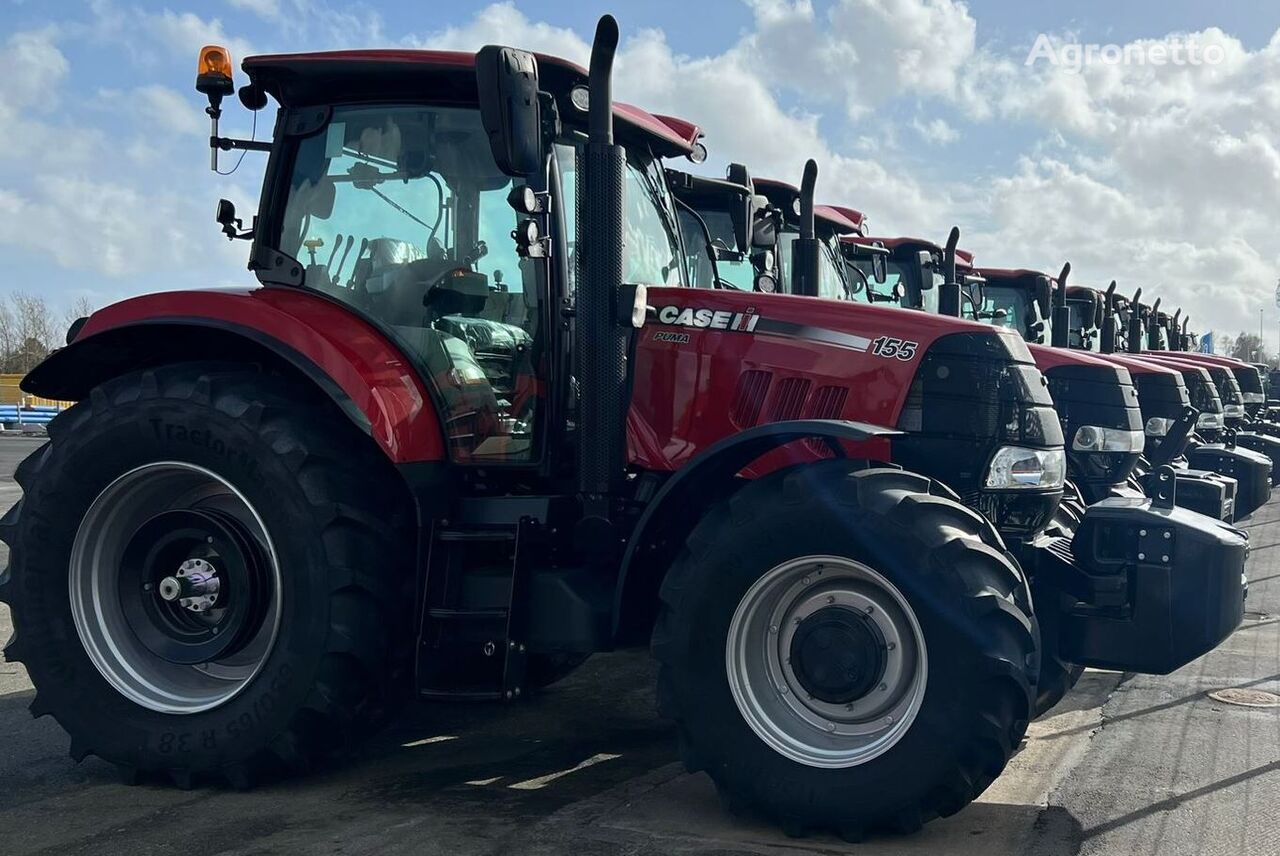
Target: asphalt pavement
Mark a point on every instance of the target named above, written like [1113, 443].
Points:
[1132, 765]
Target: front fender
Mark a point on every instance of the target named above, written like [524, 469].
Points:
[348, 359]
[671, 515]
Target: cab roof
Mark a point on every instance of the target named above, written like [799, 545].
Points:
[908, 244]
[325, 77]
[837, 217]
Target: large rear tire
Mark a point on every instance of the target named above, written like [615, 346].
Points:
[915, 643]
[162, 479]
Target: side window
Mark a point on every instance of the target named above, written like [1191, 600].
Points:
[567, 158]
[702, 268]
[738, 271]
[401, 212]
[831, 283]
[652, 253]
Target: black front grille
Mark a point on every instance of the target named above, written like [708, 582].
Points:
[972, 394]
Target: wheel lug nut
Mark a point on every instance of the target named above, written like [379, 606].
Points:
[884, 687]
[804, 581]
[831, 598]
[831, 726]
[773, 628]
[892, 645]
[870, 609]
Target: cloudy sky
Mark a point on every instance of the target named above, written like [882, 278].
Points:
[922, 113]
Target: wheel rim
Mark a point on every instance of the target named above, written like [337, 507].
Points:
[175, 587]
[826, 661]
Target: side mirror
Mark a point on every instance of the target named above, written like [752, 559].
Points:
[926, 263]
[1044, 296]
[764, 232]
[880, 266]
[742, 215]
[507, 85]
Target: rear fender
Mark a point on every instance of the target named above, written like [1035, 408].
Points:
[305, 334]
[709, 478]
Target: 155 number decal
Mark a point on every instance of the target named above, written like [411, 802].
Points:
[886, 346]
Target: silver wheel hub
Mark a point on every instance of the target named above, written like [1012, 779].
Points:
[194, 586]
[175, 588]
[826, 661]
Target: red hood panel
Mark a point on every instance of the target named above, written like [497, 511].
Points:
[718, 362]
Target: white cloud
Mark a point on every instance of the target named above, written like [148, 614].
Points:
[1157, 175]
[34, 69]
[1152, 174]
[266, 9]
[935, 131]
[862, 52]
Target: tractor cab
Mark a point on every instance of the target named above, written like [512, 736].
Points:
[913, 269]
[829, 224]
[408, 212]
[725, 220]
[1251, 457]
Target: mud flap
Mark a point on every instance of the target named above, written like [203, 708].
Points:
[1182, 575]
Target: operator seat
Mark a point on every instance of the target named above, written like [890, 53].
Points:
[413, 293]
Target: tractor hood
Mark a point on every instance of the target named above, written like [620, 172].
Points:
[1098, 406]
[750, 358]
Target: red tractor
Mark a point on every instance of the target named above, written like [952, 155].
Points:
[1096, 325]
[1096, 401]
[504, 433]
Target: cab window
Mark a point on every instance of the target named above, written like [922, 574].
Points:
[401, 212]
[652, 253]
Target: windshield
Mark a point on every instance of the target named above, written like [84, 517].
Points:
[734, 267]
[831, 282]
[898, 271]
[1081, 336]
[652, 252]
[401, 212]
[1015, 308]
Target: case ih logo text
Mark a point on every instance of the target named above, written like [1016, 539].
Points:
[708, 319]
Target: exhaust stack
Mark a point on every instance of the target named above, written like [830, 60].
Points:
[600, 342]
[1061, 337]
[1110, 324]
[1133, 337]
[949, 291]
[1153, 328]
[805, 249]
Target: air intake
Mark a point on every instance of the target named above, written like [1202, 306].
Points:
[748, 398]
[789, 400]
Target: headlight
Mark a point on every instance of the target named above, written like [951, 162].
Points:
[1158, 426]
[1211, 420]
[1093, 438]
[1233, 411]
[1018, 467]
[1255, 398]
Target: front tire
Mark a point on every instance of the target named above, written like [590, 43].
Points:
[160, 480]
[955, 595]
